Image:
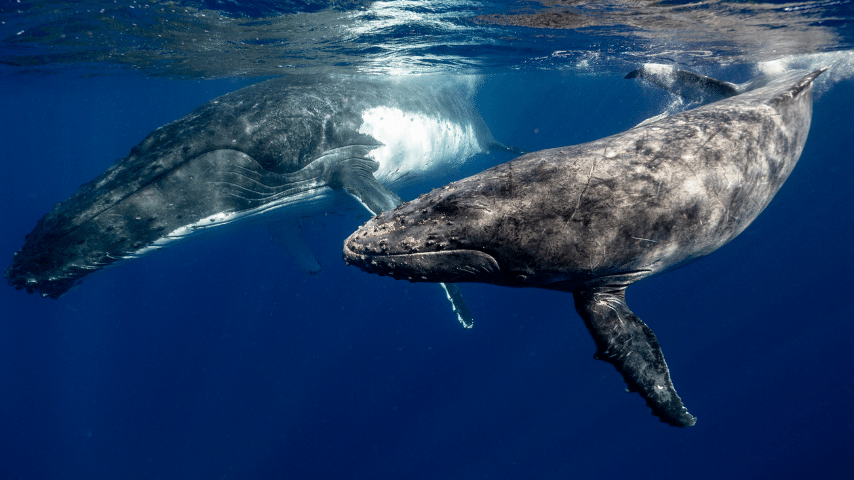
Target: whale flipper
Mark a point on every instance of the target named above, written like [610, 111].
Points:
[288, 235]
[459, 304]
[626, 342]
[355, 175]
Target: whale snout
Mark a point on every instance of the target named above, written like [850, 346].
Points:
[405, 248]
[21, 279]
[445, 266]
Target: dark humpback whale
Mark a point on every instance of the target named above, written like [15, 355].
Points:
[592, 219]
[278, 145]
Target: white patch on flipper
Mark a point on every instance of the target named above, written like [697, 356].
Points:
[465, 323]
[416, 144]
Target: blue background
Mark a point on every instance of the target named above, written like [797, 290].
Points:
[217, 358]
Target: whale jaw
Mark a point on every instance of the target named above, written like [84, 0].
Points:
[441, 266]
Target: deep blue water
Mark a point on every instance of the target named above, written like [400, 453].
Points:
[217, 358]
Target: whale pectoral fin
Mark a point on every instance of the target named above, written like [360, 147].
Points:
[624, 341]
[459, 304]
[288, 235]
[355, 175]
[373, 195]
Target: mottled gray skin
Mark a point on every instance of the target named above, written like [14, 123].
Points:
[591, 219]
[287, 138]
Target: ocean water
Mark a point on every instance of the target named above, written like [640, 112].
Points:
[218, 358]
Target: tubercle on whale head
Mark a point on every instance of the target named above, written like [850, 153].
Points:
[417, 226]
[423, 241]
[51, 262]
[52, 287]
[51, 267]
[377, 248]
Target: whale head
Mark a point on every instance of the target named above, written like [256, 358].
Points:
[428, 239]
[479, 229]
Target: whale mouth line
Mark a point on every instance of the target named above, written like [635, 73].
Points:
[439, 266]
[407, 254]
[348, 252]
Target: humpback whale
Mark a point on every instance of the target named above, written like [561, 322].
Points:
[279, 145]
[592, 219]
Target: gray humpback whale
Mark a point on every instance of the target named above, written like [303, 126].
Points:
[592, 219]
[281, 144]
